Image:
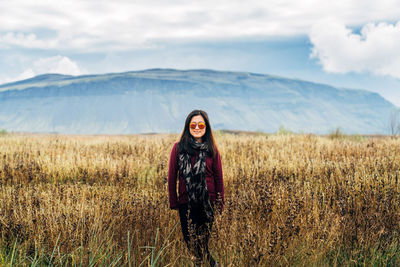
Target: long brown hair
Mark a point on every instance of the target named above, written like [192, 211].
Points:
[208, 137]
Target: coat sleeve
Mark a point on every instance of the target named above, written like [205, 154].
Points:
[219, 181]
[172, 178]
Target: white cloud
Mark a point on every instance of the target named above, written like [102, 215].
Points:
[57, 64]
[375, 49]
[23, 40]
[29, 73]
[124, 24]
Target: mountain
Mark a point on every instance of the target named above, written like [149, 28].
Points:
[158, 100]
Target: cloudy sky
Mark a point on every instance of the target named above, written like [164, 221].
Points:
[345, 43]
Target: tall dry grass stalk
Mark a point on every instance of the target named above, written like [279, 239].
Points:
[290, 200]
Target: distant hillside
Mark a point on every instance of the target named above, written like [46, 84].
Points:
[158, 100]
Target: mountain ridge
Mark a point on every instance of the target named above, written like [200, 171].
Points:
[128, 102]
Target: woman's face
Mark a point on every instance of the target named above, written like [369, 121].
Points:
[195, 124]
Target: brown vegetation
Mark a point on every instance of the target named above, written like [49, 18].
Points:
[290, 200]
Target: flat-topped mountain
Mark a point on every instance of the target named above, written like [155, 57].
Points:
[158, 100]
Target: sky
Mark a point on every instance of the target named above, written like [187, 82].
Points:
[345, 43]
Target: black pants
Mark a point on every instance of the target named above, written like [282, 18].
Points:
[196, 232]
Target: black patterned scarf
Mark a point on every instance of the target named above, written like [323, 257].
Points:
[195, 178]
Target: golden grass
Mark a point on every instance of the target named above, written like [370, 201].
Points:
[290, 200]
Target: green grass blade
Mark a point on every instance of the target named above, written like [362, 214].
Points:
[13, 253]
[155, 245]
[164, 246]
[54, 249]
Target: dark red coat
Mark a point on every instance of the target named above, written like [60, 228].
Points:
[214, 179]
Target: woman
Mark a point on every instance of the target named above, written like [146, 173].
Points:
[195, 161]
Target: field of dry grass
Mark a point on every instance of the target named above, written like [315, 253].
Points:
[290, 200]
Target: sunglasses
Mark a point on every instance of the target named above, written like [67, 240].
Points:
[201, 125]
